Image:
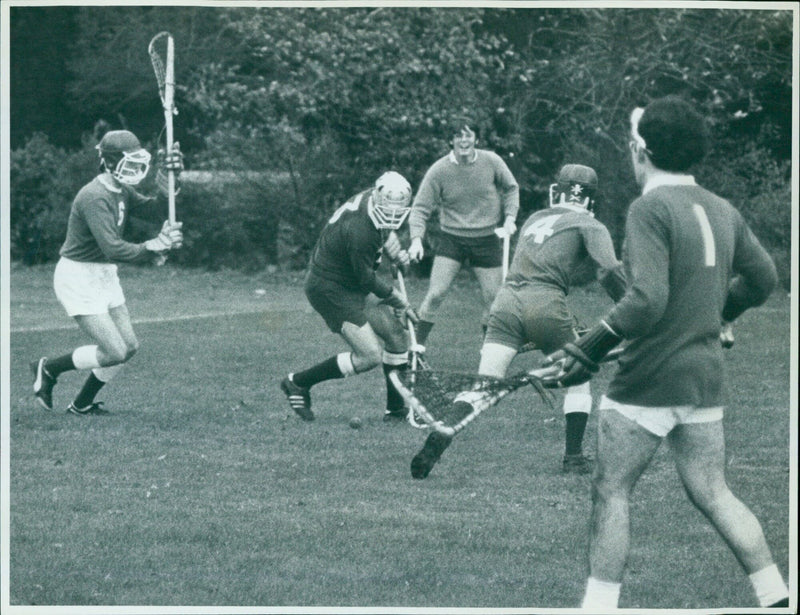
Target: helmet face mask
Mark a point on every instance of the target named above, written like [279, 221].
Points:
[132, 167]
[391, 201]
[575, 188]
[123, 157]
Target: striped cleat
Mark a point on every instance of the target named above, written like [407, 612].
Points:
[94, 408]
[299, 398]
[43, 384]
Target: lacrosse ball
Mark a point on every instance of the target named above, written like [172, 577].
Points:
[355, 423]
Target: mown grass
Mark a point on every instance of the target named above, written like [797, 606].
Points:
[202, 488]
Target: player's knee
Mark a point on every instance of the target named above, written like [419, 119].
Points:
[367, 359]
[710, 497]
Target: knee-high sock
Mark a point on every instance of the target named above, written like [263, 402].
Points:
[394, 361]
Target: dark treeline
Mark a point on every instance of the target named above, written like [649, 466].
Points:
[300, 107]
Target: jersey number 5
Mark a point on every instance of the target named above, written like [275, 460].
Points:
[709, 248]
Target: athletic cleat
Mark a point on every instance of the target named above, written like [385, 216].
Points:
[423, 462]
[395, 416]
[94, 408]
[577, 464]
[299, 399]
[43, 383]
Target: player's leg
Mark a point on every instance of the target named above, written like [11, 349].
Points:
[86, 291]
[549, 325]
[394, 356]
[489, 280]
[338, 306]
[624, 449]
[443, 271]
[111, 356]
[504, 335]
[486, 257]
[699, 450]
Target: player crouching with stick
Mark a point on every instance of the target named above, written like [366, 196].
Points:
[85, 279]
[342, 285]
[531, 306]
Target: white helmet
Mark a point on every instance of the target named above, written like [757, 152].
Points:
[391, 201]
[123, 156]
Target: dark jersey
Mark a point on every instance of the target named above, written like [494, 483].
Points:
[97, 222]
[683, 245]
[349, 249]
[554, 243]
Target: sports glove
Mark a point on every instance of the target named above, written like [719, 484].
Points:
[415, 250]
[402, 309]
[726, 335]
[170, 237]
[166, 163]
[577, 362]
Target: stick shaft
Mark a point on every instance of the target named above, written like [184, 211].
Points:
[169, 92]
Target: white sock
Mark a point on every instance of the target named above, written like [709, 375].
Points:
[601, 595]
[769, 585]
[85, 357]
[345, 362]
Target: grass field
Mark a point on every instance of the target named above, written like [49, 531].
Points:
[203, 488]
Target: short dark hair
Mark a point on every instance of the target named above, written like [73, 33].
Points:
[675, 134]
[461, 122]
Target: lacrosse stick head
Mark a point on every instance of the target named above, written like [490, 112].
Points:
[161, 52]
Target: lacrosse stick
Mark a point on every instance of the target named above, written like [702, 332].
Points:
[501, 232]
[162, 55]
[449, 401]
[416, 351]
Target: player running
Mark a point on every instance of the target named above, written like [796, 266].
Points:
[85, 279]
[531, 306]
[473, 191]
[342, 285]
[690, 262]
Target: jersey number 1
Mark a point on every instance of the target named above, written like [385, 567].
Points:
[709, 248]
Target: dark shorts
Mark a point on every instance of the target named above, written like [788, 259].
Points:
[483, 252]
[525, 315]
[336, 304]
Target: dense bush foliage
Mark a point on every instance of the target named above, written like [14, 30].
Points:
[306, 106]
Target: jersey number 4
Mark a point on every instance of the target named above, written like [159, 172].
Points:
[542, 229]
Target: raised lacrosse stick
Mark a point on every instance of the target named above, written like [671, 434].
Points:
[162, 55]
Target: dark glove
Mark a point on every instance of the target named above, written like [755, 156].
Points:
[577, 362]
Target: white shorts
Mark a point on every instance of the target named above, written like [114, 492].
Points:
[85, 289]
[660, 420]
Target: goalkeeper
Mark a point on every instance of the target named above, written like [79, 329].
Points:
[531, 308]
[342, 285]
[85, 278]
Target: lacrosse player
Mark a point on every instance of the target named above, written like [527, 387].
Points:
[342, 285]
[473, 191]
[531, 306]
[690, 262]
[85, 279]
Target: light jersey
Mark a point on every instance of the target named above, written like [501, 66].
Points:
[349, 249]
[554, 243]
[682, 246]
[97, 221]
[472, 198]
